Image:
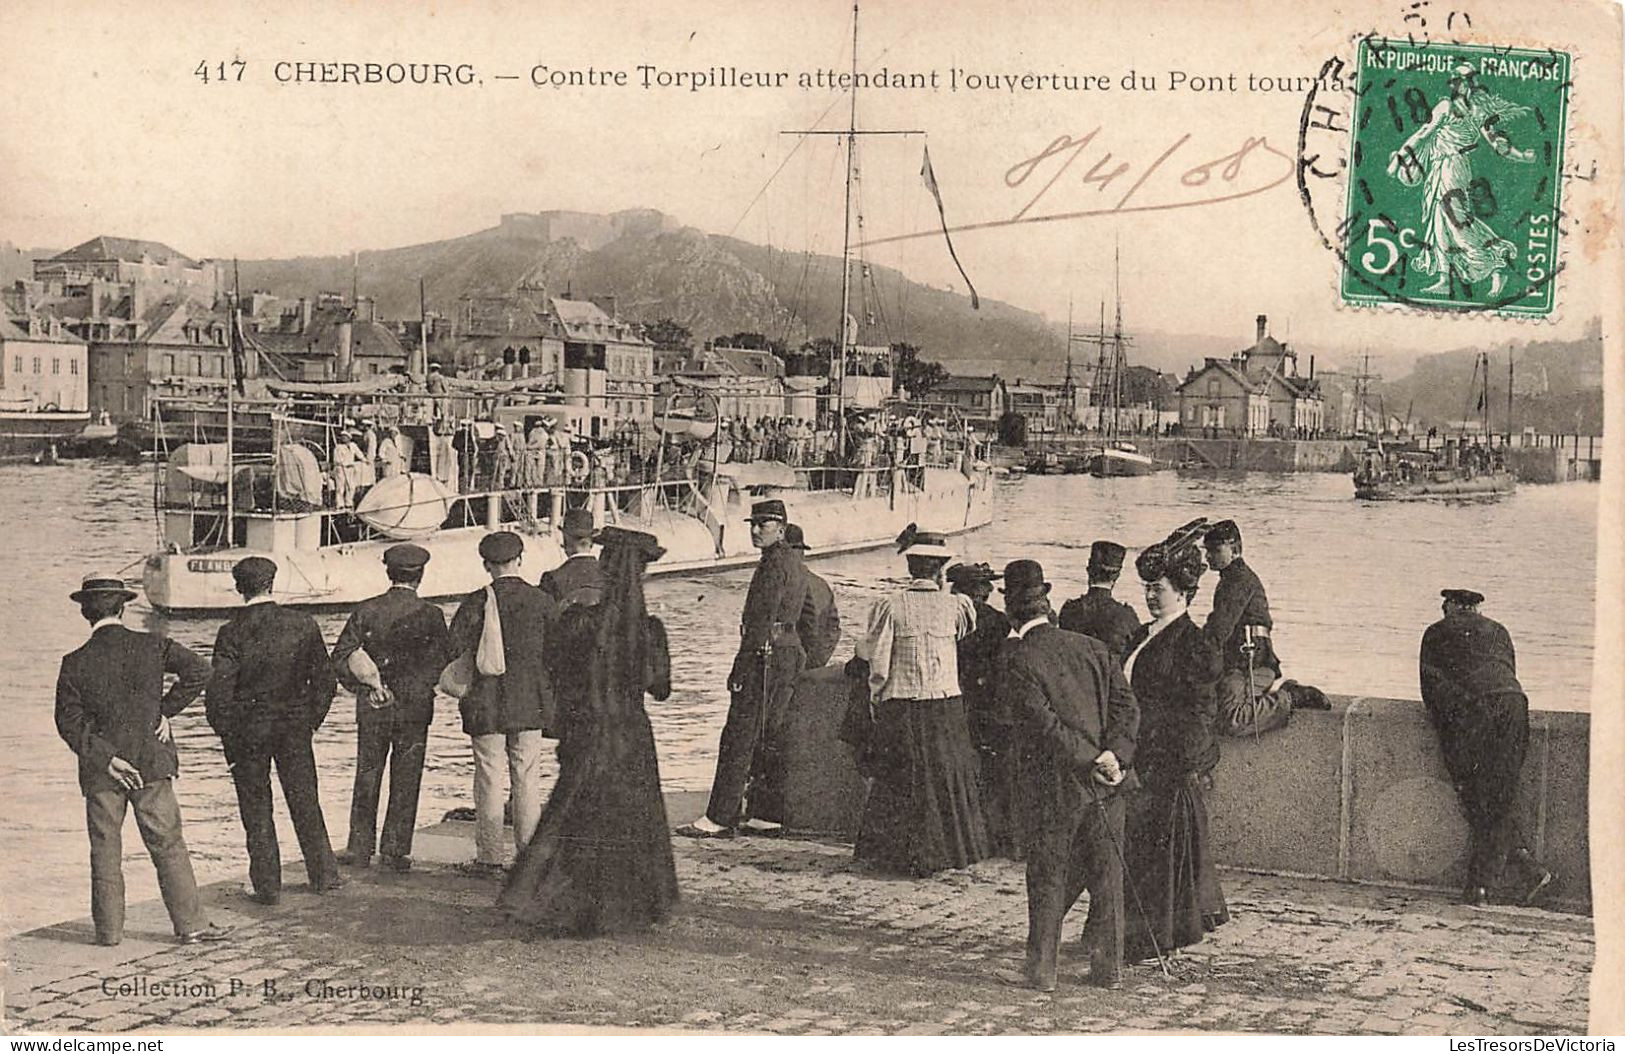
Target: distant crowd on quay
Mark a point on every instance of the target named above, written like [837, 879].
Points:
[1081, 741]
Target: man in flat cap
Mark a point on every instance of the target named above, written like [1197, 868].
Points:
[1096, 613]
[270, 691]
[747, 792]
[1239, 626]
[979, 656]
[390, 653]
[1470, 687]
[1076, 724]
[509, 710]
[113, 712]
[578, 580]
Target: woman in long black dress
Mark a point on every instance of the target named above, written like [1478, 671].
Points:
[1175, 675]
[600, 861]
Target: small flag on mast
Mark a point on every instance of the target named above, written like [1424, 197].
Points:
[930, 178]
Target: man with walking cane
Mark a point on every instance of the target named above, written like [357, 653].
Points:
[1075, 723]
[760, 685]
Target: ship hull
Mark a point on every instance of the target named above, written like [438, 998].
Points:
[1120, 463]
[26, 436]
[339, 576]
[1494, 483]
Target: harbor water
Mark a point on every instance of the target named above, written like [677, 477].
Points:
[1351, 584]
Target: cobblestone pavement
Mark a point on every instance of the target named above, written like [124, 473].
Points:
[789, 937]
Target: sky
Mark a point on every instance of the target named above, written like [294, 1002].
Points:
[111, 130]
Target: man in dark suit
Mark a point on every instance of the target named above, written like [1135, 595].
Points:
[1239, 626]
[760, 685]
[113, 712]
[271, 690]
[578, 580]
[1075, 722]
[506, 714]
[1096, 614]
[390, 653]
[1470, 687]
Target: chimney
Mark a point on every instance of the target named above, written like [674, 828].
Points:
[1263, 327]
[365, 309]
[343, 354]
[304, 314]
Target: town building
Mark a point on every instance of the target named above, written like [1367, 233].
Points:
[102, 263]
[1257, 391]
[43, 366]
[748, 383]
[326, 340]
[981, 401]
[1040, 404]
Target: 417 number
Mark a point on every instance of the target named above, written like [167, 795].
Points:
[220, 71]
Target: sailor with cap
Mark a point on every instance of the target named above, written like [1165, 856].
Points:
[747, 792]
[270, 691]
[1478, 708]
[1076, 726]
[579, 579]
[924, 812]
[391, 453]
[346, 468]
[509, 709]
[1096, 614]
[989, 729]
[113, 712]
[1239, 626]
[391, 652]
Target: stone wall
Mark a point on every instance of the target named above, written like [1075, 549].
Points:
[1358, 793]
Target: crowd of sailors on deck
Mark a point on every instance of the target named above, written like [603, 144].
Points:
[482, 454]
[1083, 742]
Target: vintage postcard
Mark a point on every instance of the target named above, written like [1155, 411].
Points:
[828, 518]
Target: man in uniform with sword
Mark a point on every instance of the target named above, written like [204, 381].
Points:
[765, 670]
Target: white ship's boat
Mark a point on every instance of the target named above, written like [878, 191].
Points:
[1121, 459]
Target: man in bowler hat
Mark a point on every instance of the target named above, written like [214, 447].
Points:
[507, 714]
[1470, 687]
[113, 712]
[1076, 723]
[1096, 614]
[403, 645]
[270, 691]
[578, 580]
[760, 685]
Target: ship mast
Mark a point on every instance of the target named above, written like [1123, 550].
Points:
[839, 372]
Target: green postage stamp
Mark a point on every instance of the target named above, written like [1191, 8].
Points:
[1455, 178]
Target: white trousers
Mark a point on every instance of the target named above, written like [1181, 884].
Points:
[523, 753]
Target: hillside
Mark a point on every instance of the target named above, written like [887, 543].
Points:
[1556, 386]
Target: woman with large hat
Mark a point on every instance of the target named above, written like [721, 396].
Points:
[1174, 674]
[924, 812]
[600, 860]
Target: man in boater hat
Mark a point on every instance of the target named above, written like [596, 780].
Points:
[390, 653]
[270, 691]
[747, 792]
[1471, 690]
[113, 712]
[1096, 614]
[1076, 725]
